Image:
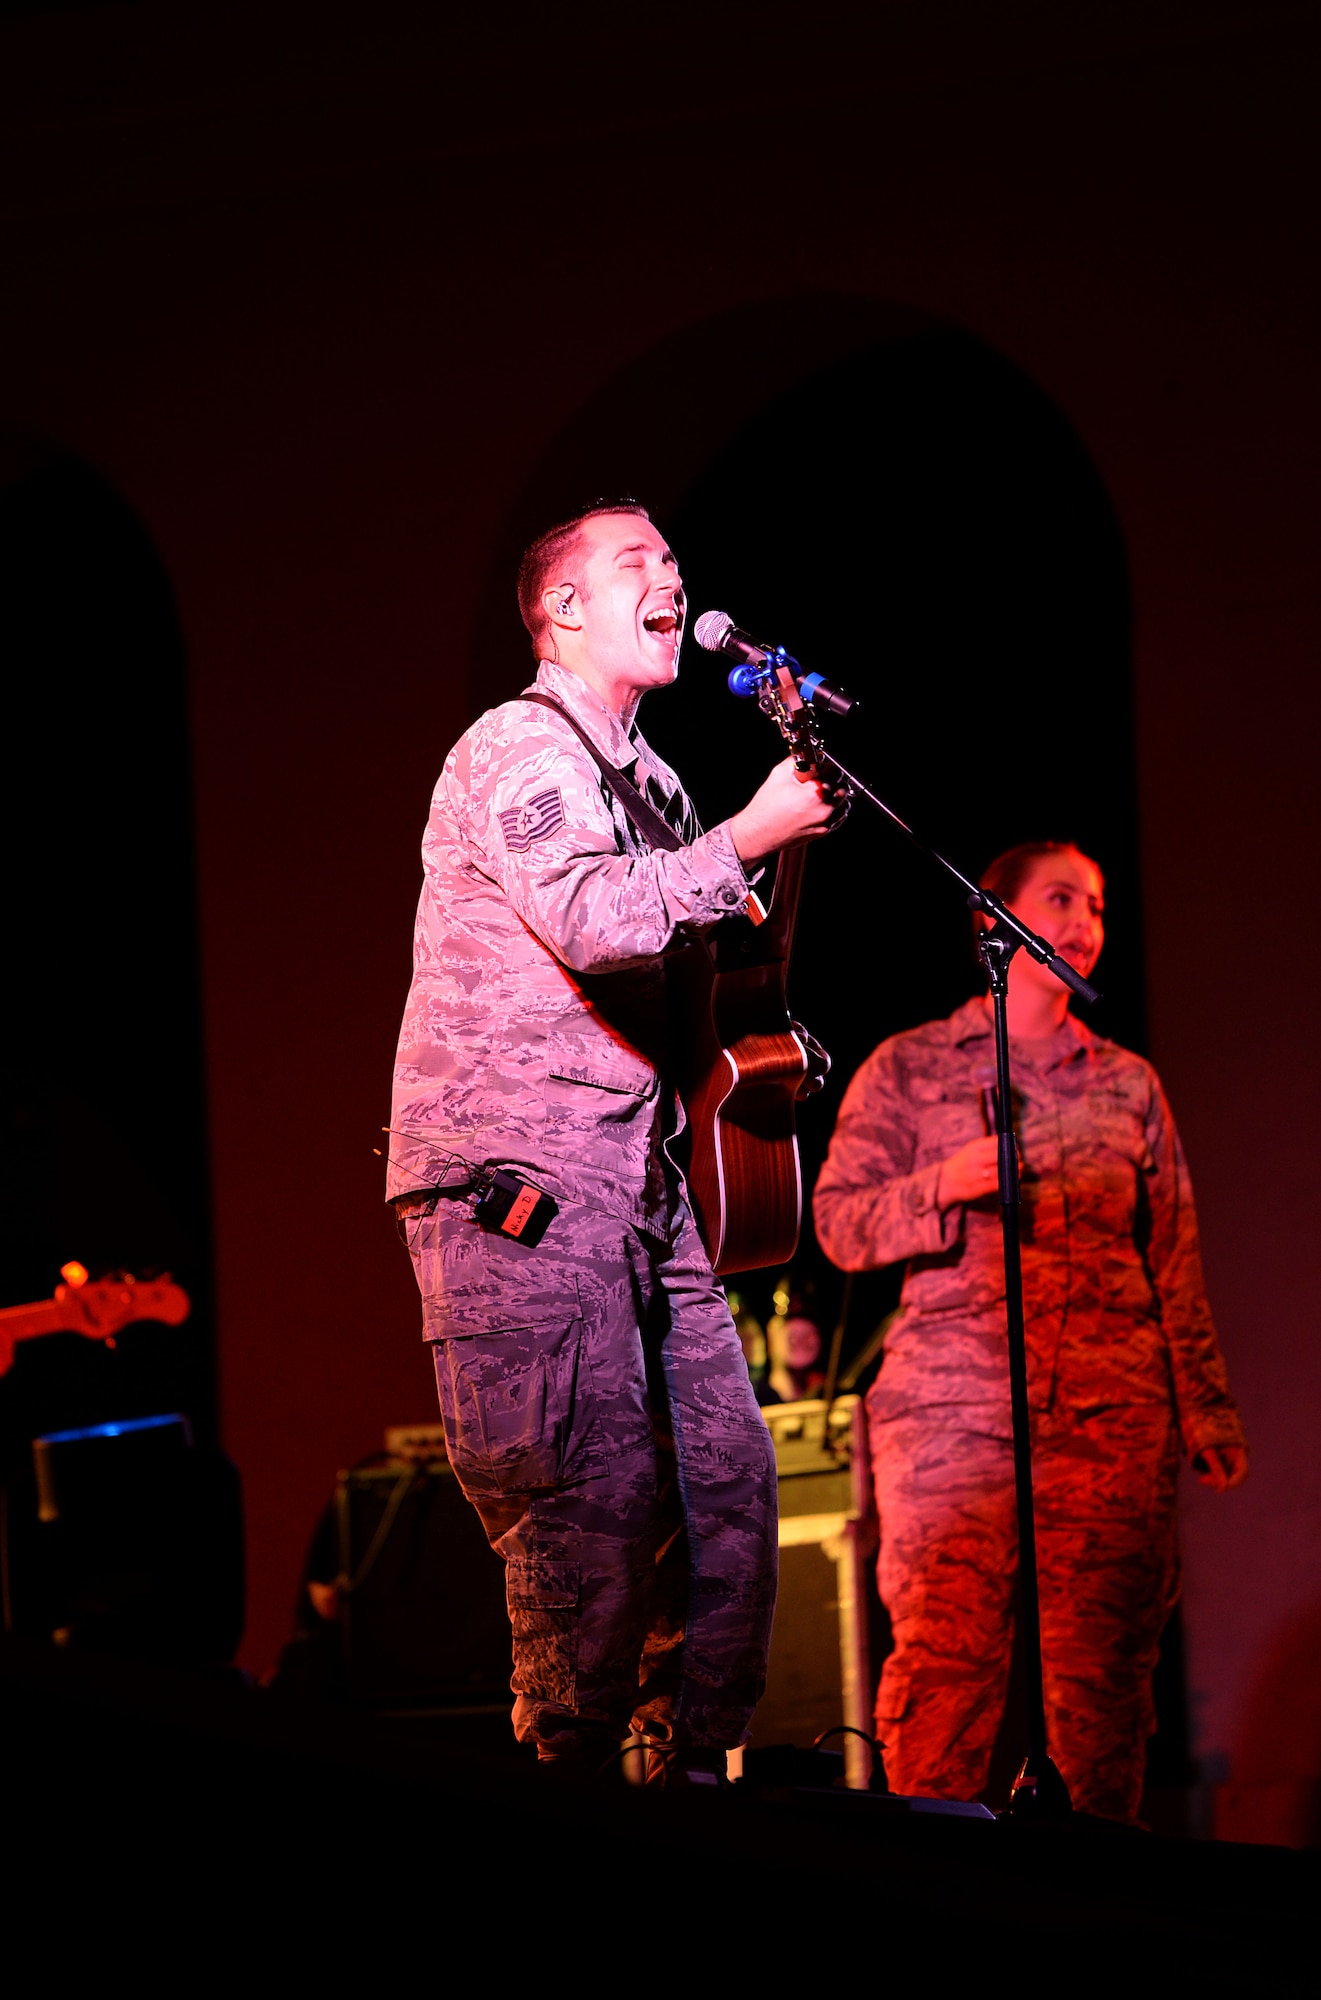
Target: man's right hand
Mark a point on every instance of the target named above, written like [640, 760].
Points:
[789, 807]
[970, 1174]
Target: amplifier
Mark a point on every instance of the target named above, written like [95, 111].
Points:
[126, 1538]
[820, 1667]
[424, 1624]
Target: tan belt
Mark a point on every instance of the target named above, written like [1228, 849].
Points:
[426, 1198]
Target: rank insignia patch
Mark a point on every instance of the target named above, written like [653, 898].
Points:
[542, 815]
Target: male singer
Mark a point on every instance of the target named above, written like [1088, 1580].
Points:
[595, 1398]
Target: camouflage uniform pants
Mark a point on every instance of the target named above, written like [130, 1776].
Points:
[599, 1416]
[1104, 1488]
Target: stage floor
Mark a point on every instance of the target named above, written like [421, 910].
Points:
[213, 1814]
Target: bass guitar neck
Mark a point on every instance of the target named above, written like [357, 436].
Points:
[97, 1310]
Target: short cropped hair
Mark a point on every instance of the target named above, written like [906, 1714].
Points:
[550, 557]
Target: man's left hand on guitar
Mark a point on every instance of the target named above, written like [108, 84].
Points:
[818, 1063]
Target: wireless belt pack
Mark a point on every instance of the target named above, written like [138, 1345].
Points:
[515, 1208]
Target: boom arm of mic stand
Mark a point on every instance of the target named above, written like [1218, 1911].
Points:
[978, 899]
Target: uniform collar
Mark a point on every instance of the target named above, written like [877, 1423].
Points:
[586, 706]
[619, 746]
[972, 1023]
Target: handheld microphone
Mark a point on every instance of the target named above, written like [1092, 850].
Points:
[716, 632]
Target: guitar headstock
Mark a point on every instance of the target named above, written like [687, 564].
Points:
[778, 697]
[99, 1307]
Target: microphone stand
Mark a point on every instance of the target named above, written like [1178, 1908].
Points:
[1039, 1790]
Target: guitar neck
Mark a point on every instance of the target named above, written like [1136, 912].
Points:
[775, 937]
[22, 1322]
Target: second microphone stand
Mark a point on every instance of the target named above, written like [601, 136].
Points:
[1039, 1791]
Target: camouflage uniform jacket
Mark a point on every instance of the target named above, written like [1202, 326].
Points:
[534, 1034]
[1115, 1302]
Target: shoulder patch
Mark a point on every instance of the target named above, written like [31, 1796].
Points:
[539, 816]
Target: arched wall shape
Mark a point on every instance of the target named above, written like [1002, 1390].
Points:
[909, 513]
[929, 532]
[655, 426]
[103, 1145]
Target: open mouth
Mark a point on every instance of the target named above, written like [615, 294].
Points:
[664, 621]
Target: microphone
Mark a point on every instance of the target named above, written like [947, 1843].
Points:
[716, 632]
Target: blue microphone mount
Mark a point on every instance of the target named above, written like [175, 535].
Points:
[750, 677]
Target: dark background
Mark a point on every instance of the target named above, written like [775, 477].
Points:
[921, 524]
[102, 1115]
[968, 352]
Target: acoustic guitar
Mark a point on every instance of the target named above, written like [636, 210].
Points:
[742, 1062]
[96, 1308]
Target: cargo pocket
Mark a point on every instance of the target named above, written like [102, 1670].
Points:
[520, 1407]
[543, 1611]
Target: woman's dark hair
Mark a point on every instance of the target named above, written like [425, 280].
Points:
[1005, 876]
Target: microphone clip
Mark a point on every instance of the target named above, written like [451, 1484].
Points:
[752, 677]
[765, 670]
[748, 679]
[762, 673]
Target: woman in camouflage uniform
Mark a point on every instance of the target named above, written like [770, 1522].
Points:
[1123, 1363]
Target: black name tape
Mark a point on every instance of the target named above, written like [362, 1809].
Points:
[515, 1208]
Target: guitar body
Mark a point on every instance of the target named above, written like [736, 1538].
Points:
[739, 1066]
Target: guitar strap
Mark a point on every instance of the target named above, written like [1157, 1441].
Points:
[657, 832]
